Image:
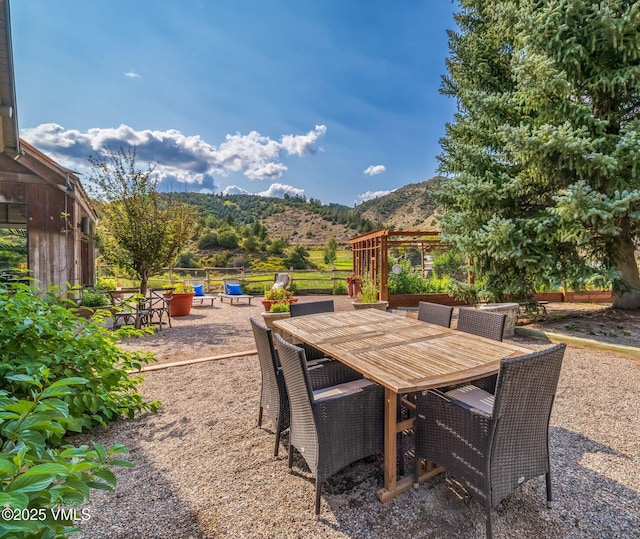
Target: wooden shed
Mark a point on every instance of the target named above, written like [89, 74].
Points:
[46, 218]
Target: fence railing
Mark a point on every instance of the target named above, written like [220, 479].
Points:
[305, 281]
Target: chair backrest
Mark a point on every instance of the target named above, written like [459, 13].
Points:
[125, 297]
[269, 364]
[524, 396]
[296, 377]
[281, 280]
[311, 307]
[434, 313]
[481, 323]
[160, 298]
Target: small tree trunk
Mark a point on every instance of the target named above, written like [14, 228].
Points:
[626, 263]
[144, 278]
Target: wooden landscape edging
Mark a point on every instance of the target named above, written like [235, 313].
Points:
[579, 342]
[162, 366]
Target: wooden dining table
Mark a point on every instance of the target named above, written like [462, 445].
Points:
[403, 354]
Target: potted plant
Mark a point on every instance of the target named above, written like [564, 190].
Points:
[370, 296]
[91, 301]
[354, 285]
[181, 299]
[281, 295]
[279, 309]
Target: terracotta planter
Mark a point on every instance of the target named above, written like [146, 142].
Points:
[380, 305]
[267, 303]
[354, 289]
[181, 304]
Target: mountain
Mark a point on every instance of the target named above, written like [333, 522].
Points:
[312, 222]
[411, 207]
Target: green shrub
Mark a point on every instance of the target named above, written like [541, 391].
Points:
[106, 283]
[280, 307]
[58, 374]
[93, 297]
[339, 287]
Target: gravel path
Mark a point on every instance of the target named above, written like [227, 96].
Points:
[203, 468]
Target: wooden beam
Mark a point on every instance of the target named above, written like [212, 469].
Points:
[163, 366]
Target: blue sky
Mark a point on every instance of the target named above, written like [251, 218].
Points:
[334, 100]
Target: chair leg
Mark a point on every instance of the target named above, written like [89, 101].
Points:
[489, 528]
[278, 432]
[318, 489]
[290, 456]
[260, 417]
[549, 493]
[277, 448]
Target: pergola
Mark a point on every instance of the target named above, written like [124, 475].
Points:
[371, 252]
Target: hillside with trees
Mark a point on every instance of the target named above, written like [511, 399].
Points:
[256, 231]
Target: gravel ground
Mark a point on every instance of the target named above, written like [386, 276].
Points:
[204, 469]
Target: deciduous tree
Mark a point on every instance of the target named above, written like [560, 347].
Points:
[140, 230]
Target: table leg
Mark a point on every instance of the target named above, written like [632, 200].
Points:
[390, 441]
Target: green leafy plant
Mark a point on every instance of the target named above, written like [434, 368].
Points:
[106, 283]
[92, 297]
[280, 307]
[471, 294]
[370, 290]
[180, 288]
[339, 288]
[277, 294]
[58, 374]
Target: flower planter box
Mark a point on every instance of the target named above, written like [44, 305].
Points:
[380, 305]
[412, 300]
[270, 318]
[267, 303]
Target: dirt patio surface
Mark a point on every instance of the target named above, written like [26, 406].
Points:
[203, 469]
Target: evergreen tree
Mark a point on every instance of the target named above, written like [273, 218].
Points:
[542, 155]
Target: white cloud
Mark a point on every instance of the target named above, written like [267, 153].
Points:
[132, 74]
[234, 190]
[185, 159]
[279, 190]
[370, 195]
[302, 145]
[374, 170]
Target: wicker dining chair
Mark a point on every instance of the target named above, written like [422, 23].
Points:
[482, 323]
[485, 324]
[333, 427]
[273, 395]
[493, 443]
[311, 307]
[434, 313]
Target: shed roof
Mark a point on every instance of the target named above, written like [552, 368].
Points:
[9, 137]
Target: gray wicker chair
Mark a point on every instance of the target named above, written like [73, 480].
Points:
[434, 313]
[273, 395]
[482, 323]
[330, 431]
[311, 307]
[491, 444]
[485, 324]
